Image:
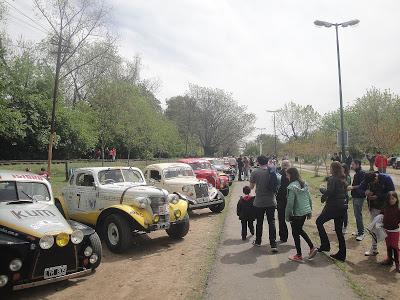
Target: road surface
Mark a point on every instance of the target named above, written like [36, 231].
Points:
[242, 271]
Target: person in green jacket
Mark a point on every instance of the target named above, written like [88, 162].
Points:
[298, 209]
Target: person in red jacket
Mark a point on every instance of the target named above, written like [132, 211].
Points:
[391, 221]
[381, 162]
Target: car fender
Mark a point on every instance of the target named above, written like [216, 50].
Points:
[79, 226]
[63, 205]
[182, 205]
[188, 200]
[137, 215]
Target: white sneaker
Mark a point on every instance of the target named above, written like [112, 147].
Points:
[371, 253]
[360, 237]
[344, 230]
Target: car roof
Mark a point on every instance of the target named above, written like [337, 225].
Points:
[10, 175]
[162, 166]
[98, 169]
[193, 160]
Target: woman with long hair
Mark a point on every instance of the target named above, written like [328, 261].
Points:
[346, 171]
[298, 209]
[335, 209]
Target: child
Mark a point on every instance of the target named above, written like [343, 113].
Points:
[245, 212]
[391, 221]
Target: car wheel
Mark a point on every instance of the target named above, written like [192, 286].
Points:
[57, 203]
[225, 191]
[117, 233]
[178, 231]
[95, 243]
[217, 208]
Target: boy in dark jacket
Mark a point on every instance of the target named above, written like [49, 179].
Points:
[245, 212]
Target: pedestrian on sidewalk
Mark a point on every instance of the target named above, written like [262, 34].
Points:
[298, 209]
[376, 186]
[240, 167]
[391, 221]
[281, 199]
[245, 212]
[346, 171]
[265, 201]
[380, 162]
[334, 209]
[358, 198]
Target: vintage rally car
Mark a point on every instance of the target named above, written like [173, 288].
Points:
[37, 244]
[118, 203]
[179, 178]
[223, 168]
[204, 170]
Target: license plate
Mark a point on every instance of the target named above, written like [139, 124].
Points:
[163, 209]
[55, 271]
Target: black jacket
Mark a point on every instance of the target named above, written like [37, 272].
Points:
[357, 179]
[281, 196]
[379, 189]
[335, 194]
[245, 209]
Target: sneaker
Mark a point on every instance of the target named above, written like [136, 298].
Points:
[344, 230]
[274, 248]
[297, 258]
[313, 252]
[337, 257]
[256, 244]
[371, 253]
[360, 237]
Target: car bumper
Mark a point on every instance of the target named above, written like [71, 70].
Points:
[205, 204]
[51, 280]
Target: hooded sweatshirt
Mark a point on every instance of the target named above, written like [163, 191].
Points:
[298, 201]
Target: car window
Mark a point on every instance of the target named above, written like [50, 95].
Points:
[178, 172]
[8, 191]
[85, 179]
[154, 174]
[131, 175]
[13, 191]
[110, 176]
[71, 180]
[201, 166]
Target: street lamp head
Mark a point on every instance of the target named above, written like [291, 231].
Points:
[322, 23]
[350, 23]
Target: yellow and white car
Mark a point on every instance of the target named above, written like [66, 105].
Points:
[179, 178]
[118, 202]
[37, 244]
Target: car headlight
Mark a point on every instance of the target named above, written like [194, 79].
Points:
[186, 189]
[3, 280]
[156, 218]
[88, 251]
[93, 259]
[141, 202]
[177, 213]
[15, 265]
[77, 236]
[46, 242]
[62, 239]
[173, 198]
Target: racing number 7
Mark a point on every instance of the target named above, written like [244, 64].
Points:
[79, 199]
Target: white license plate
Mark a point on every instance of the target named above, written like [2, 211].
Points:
[55, 271]
[163, 209]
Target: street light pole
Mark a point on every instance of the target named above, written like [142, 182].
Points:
[261, 129]
[336, 25]
[275, 138]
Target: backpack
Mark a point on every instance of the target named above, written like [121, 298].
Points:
[273, 182]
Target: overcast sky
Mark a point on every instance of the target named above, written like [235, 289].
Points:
[265, 52]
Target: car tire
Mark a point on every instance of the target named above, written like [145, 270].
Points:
[217, 208]
[57, 203]
[96, 246]
[178, 231]
[117, 233]
[225, 191]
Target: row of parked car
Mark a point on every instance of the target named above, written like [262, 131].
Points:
[44, 238]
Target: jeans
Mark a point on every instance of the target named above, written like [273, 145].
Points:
[270, 212]
[283, 230]
[358, 204]
[373, 213]
[297, 231]
[246, 224]
[337, 216]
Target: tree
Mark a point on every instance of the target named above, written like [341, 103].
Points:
[296, 121]
[74, 23]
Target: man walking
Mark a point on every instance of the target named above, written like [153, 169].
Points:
[264, 203]
[240, 165]
[380, 162]
[348, 159]
[281, 199]
[358, 198]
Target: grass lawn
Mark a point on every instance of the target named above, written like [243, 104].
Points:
[368, 279]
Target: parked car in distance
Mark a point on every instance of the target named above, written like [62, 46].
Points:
[118, 203]
[396, 163]
[179, 178]
[223, 168]
[37, 244]
[204, 170]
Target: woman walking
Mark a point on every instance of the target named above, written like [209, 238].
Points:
[298, 209]
[346, 171]
[335, 208]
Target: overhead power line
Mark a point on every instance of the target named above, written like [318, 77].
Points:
[26, 23]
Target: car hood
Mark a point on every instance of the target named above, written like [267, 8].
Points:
[36, 219]
[183, 181]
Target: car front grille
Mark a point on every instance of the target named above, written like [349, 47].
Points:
[156, 202]
[55, 256]
[201, 190]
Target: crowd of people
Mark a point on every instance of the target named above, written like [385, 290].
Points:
[282, 189]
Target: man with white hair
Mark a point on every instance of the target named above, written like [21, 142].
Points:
[281, 199]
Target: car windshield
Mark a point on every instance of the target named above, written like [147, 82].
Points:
[120, 175]
[201, 166]
[178, 172]
[218, 163]
[16, 190]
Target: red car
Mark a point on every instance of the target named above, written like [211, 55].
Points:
[204, 170]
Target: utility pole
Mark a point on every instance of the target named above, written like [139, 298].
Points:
[275, 137]
[261, 129]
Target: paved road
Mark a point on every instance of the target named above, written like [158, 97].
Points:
[245, 272]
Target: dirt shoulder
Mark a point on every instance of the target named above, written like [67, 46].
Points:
[155, 267]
